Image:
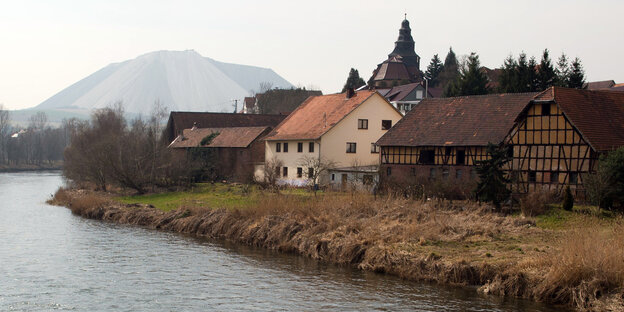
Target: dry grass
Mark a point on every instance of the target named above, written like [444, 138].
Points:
[589, 265]
[458, 242]
[536, 202]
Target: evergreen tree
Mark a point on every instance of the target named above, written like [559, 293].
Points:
[450, 72]
[508, 80]
[562, 71]
[576, 79]
[546, 76]
[492, 185]
[434, 69]
[522, 74]
[471, 81]
[353, 81]
[532, 78]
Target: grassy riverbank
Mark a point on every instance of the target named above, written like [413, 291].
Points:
[571, 258]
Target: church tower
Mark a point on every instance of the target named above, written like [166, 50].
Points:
[404, 46]
[403, 64]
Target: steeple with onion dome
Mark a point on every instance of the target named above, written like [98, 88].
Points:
[404, 46]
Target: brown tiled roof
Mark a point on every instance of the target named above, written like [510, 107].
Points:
[392, 71]
[596, 85]
[598, 115]
[398, 93]
[185, 120]
[227, 137]
[317, 115]
[458, 121]
[435, 92]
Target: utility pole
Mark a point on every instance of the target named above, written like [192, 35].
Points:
[235, 106]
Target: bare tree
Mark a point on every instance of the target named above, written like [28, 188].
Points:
[317, 167]
[4, 133]
[272, 172]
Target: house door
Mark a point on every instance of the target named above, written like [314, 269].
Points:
[343, 184]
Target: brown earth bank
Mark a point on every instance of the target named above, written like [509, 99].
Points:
[457, 243]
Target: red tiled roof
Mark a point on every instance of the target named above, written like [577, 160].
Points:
[598, 115]
[227, 137]
[458, 121]
[186, 120]
[317, 115]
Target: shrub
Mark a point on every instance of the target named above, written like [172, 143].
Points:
[568, 200]
[536, 202]
[605, 187]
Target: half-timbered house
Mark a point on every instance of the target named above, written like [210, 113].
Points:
[559, 135]
[446, 137]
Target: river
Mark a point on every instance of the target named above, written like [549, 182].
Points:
[53, 260]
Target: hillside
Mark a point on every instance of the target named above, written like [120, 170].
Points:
[182, 80]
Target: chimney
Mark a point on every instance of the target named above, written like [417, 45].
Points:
[350, 93]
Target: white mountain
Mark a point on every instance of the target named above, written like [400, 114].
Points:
[182, 80]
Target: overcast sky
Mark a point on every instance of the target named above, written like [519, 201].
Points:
[46, 46]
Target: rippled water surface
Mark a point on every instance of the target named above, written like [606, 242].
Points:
[52, 260]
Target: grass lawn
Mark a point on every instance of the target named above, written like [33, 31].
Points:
[217, 195]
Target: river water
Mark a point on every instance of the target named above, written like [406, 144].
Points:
[53, 260]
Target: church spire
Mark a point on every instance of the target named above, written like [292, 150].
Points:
[404, 46]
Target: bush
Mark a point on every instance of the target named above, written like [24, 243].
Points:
[568, 200]
[536, 202]
[605, 187]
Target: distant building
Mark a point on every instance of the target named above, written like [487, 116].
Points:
[179, 121]
[277, 101]
[403, 64]
[339, 128]
[406, 97]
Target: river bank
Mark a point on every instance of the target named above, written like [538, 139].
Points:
[457, 243]
[31, 167]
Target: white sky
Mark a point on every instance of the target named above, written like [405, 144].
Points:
[46, 46]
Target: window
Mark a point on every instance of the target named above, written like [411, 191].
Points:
[445, 173]
[285, 147]
[545, 109]
[573, 177]
[367, 179]
[333, 177]
[427, 157]
[311, 147]
[447, 151]
[374, 148]
[388, 171]
[458, 174]
[350, 147]
[554, 177]
[386, 124]
[278, 147]
[460, 158]
[299, 147]
[532, 176]
[311, 173]
[419, 94]
[362, 123]
[285, 172]
[299, 172]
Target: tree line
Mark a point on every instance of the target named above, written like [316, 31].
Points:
[110, 150]
[523, 74]
[468, 77]
[38, 144]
